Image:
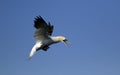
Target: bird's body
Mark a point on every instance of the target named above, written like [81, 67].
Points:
[43, 36]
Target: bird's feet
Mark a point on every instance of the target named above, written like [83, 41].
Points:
[46, 47]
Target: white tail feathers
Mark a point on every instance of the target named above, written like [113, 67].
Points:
[35, 47]
[33, 51]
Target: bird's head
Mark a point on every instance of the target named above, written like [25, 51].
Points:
[64, 40]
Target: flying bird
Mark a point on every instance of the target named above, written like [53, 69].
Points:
[43, 36]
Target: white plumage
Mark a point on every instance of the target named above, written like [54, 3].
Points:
[43, 36]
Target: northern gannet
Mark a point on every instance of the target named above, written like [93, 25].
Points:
[43, 36]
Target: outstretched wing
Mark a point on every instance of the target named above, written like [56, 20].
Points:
[42, 26]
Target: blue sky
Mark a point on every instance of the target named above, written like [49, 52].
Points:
[92, 26]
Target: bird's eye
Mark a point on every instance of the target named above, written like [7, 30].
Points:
[65, 40]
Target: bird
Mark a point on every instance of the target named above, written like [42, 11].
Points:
[43, 36]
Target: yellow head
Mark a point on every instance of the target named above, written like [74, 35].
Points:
[62, 39]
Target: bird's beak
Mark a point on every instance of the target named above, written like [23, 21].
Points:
[68, 44]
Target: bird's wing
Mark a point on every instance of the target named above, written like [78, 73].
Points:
[42, 27]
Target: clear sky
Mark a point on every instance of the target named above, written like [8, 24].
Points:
[92, 26]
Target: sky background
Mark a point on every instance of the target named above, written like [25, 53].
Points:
[92, 26]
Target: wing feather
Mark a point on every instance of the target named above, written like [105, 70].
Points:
[42, 26]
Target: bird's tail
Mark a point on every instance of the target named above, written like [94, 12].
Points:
[33, 51]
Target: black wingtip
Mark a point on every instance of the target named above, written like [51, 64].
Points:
[38, 18]
[38, 21]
